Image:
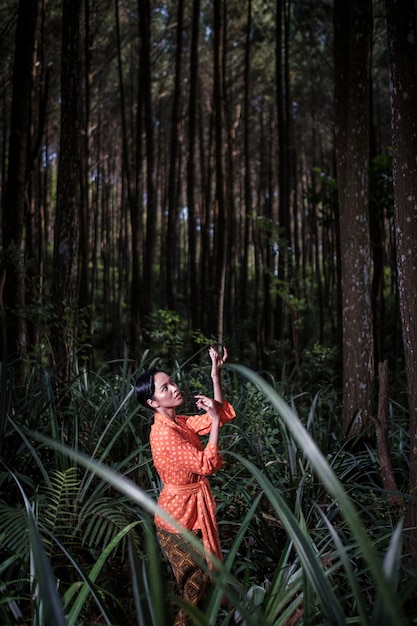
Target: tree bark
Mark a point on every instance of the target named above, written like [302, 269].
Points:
[66, 234]
[352, 34]
[284, 121]
[220, 201]
[394, 499]
[194, 291]
[401, 18]
[147, 286]
[12, 272]
[244, 249]
[172, 238]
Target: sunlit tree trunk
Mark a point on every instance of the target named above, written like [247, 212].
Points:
[66, 235]
[401, 17]
[12, 273]
[352, 66]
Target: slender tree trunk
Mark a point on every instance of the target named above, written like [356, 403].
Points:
[172, 243]
[401, 17]
[317, 252]
[85, 283]
[221, 197]
[194, 292]
[66, 236]
[283, 110]
[207, 270]
[244, 249]
[147, 287]
[136, 213]
[267, 241]
[12, 272]
[352, 67]
[394, 498]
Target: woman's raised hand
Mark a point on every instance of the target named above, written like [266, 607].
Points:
[217, 360]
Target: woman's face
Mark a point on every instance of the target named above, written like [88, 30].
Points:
[167, 394]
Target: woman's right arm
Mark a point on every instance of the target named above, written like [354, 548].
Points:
[210, 407]
[172, 452]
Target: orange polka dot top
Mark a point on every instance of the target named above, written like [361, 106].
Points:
[183, 463]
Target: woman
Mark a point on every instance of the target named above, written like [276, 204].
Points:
[183, 464]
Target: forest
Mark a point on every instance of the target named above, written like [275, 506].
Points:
[181, 174]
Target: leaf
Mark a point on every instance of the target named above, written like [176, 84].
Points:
[389, 599]
[48, 594]
[84, 590]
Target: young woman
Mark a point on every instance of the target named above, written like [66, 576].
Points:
[183, 464]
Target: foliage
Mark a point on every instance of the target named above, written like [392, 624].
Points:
[116, 151]
[307, 534]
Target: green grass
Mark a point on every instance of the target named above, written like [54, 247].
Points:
[307, 533]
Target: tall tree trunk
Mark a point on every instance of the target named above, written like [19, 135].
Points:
[352, 34]
[172, 244]
[401, 17]
[85, 283]
[34, 219]
[207, 150]
[284, 177]
[131, 182]
[244, 248]
[221, 197]
[66, 235]
[147, 286]
[12, 274]
[136, 213]
[194, 291]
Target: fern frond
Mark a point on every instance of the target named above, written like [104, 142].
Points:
[14, 526]
[57, 509]
[100, 519]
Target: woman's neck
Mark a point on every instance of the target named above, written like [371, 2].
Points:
[169, 413]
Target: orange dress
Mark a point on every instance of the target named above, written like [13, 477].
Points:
[183, 464]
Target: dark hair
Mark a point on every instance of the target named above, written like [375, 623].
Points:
[145, 386]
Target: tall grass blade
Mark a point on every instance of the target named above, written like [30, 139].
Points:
[49, 596]
[222, 577]
[33, 452]
[78, 605]
[140, 588]
[216, 597]
[389, 598]
[285, 586]
[332, 611]
[156, 586]
[353, 581]
[84, 579]
[391, 569]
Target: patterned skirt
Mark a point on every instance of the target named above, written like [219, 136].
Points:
[193, 582]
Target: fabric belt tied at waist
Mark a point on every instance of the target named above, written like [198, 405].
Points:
[205, 513]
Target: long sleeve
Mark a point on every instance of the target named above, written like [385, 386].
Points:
[181, 460]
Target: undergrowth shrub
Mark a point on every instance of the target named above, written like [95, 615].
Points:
[307, 534]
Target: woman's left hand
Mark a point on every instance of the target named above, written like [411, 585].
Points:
[217, 360]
